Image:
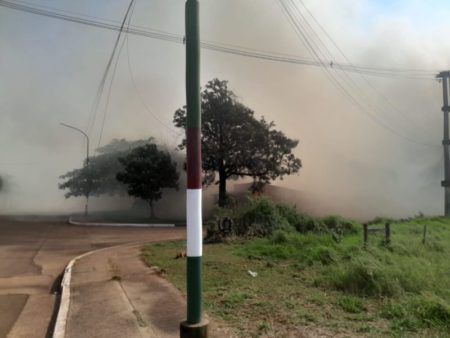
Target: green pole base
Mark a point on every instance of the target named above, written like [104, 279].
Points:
[194, 330]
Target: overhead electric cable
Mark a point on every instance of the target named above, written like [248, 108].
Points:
[288, 7]
[138, 92]
[380, 94]
[105, 75]
[338, 77]
[394, 73]
[342, 75]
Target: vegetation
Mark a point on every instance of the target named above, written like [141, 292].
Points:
[1, 183]
[261, 217]
[236, 144]
[147, 170]
[310, 280]
[99, 177]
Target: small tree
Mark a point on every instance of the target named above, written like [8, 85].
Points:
[146, 171]
[236, 144]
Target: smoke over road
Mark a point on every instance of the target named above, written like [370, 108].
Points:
[385, 159]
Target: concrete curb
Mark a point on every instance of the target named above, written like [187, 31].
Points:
[124, 225]
[63, 311]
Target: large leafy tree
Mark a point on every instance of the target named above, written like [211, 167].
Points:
[236, 144]
[146, 171]
[98, 177]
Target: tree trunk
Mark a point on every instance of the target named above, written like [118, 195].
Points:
[222, 173]
[86, 212]
[222, 189]
[152, 210]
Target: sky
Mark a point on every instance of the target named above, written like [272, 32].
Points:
[353, 163]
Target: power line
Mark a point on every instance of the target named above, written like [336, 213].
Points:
[288, 7]
[108, 95]
[341, 76]
[381, 95]
[21, 164]
[101, 87]
[394, 73]
[330, 67]
[105, 75]
[138, 92]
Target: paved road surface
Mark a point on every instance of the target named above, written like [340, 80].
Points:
[33, 255]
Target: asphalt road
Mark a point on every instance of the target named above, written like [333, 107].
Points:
[34, 254]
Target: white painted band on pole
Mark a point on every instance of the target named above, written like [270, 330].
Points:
[194, 223]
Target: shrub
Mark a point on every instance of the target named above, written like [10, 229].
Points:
[280, 237]
[381, 220]
[214, 234]
[364, 278]
[340, 225]
[351, 304]
[323, 254]
[299, 221]
[260, 219]
[424, 311]
[373, 275]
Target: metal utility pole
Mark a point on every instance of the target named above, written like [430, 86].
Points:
[444, 76]
[194, 326]
[87, 158]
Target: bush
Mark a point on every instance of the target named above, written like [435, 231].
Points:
[382, 220]
[351, 304]
[304, 223]
[299, 221]
[280, 237]
[214, 233]
[433, 312]
[340, 225]
[364, 278]
[260, 218]
[424, 311]
[374, 276]
[323, 254]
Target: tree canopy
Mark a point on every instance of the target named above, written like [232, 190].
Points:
[236, 144]
[146, 171]
[99, 177]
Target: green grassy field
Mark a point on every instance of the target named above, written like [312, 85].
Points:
[318, 285]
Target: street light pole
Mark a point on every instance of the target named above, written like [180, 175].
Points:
[194, 326]
[87, 157]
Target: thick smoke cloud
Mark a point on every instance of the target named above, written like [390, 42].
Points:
[50, 71]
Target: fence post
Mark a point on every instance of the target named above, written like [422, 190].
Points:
[387, 229]
[424, 234]
[366, 234]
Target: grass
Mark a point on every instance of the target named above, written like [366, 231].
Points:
[314, 283]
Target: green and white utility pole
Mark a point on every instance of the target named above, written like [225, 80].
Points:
[194, 326]
[445, 77]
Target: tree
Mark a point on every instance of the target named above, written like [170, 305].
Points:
[147, 170]
[79, 182]
[99, 177]
[1, 184]
[236, 144]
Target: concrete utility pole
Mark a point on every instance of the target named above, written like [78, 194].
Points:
[194, 326]
[87, 157]
[444, 76]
